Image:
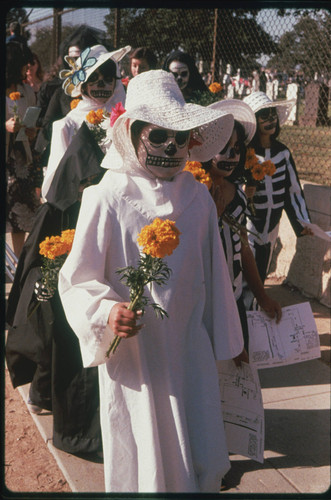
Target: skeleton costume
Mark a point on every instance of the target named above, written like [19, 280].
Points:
[64, 129]
[236, 209]
[276, 193]
[161, 416]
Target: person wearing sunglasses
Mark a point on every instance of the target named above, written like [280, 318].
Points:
[276, 193]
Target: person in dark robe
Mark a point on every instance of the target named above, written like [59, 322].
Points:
[41, 347]
[186, 74]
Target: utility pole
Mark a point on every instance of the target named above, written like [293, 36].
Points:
[57, 29]
[117, 25]
[216, 58]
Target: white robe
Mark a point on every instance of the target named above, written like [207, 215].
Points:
[160, 408]
[63, 130]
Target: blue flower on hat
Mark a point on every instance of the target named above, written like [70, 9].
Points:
[76, 75]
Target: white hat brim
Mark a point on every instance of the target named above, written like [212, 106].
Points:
[283, 109]
[214, 126]
[241, 112]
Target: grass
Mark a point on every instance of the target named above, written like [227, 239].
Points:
[311, 149]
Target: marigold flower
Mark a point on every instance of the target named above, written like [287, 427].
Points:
[14, 96]
[67, 238]
[95, 117]
[258, 172]
[251, 159]
[269, 167]
[159, 238]
[199, 173]
[55, 246]
[52, 247]
[74, 103]
[215, 87]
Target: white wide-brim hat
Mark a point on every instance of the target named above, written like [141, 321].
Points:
[260, 100]
[82, 68]
[241, 112]
[154, 97]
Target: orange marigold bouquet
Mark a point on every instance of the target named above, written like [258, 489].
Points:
[54, 250]
[96, 123]
[199, 173]
[215, 87]
[255, 173]
[15, 96]
[157, 240]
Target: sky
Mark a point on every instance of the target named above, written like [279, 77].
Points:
[94, 18]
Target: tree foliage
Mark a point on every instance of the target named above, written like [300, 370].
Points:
[21, 16]
[43, 43]
[240, 39]
[307, 45]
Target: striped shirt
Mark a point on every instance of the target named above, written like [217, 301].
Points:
[231, 239]
[274, 194]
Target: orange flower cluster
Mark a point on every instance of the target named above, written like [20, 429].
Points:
[14, 96]
[55, 246]
[95, 117]
[159, 238]
[215, 87]
[74, 103]
[199, 173]
[258, 170]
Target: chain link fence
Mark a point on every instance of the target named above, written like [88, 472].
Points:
[286, 53]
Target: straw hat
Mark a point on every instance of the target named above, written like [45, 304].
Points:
[259, 100]
[154, 97]
[241, 112]
[89, 60]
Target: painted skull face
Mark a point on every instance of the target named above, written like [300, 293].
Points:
[100, 87]
[161, 151]
[224, 163]
[181, 73]
[267, 120]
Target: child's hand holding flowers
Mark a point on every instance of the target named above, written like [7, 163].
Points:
[13, 124]
[158, 240]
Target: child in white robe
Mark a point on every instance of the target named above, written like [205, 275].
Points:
[161, 414]
[99, 86]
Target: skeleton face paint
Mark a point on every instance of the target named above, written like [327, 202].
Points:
[267, 120]
[227, 160]
[161, 151]
[100, 87]
[181, 73]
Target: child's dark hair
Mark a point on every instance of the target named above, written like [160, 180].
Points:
[144, 53]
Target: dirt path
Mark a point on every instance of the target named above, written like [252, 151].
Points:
[29, 465]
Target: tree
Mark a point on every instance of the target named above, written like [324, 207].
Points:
[307, 45]
[43, 43]
[21, 16]
[240, 38]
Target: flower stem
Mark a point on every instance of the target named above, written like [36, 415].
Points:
[117, 339]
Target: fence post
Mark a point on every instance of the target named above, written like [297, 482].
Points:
[117, 24]
[215, 61]
[57, 28]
